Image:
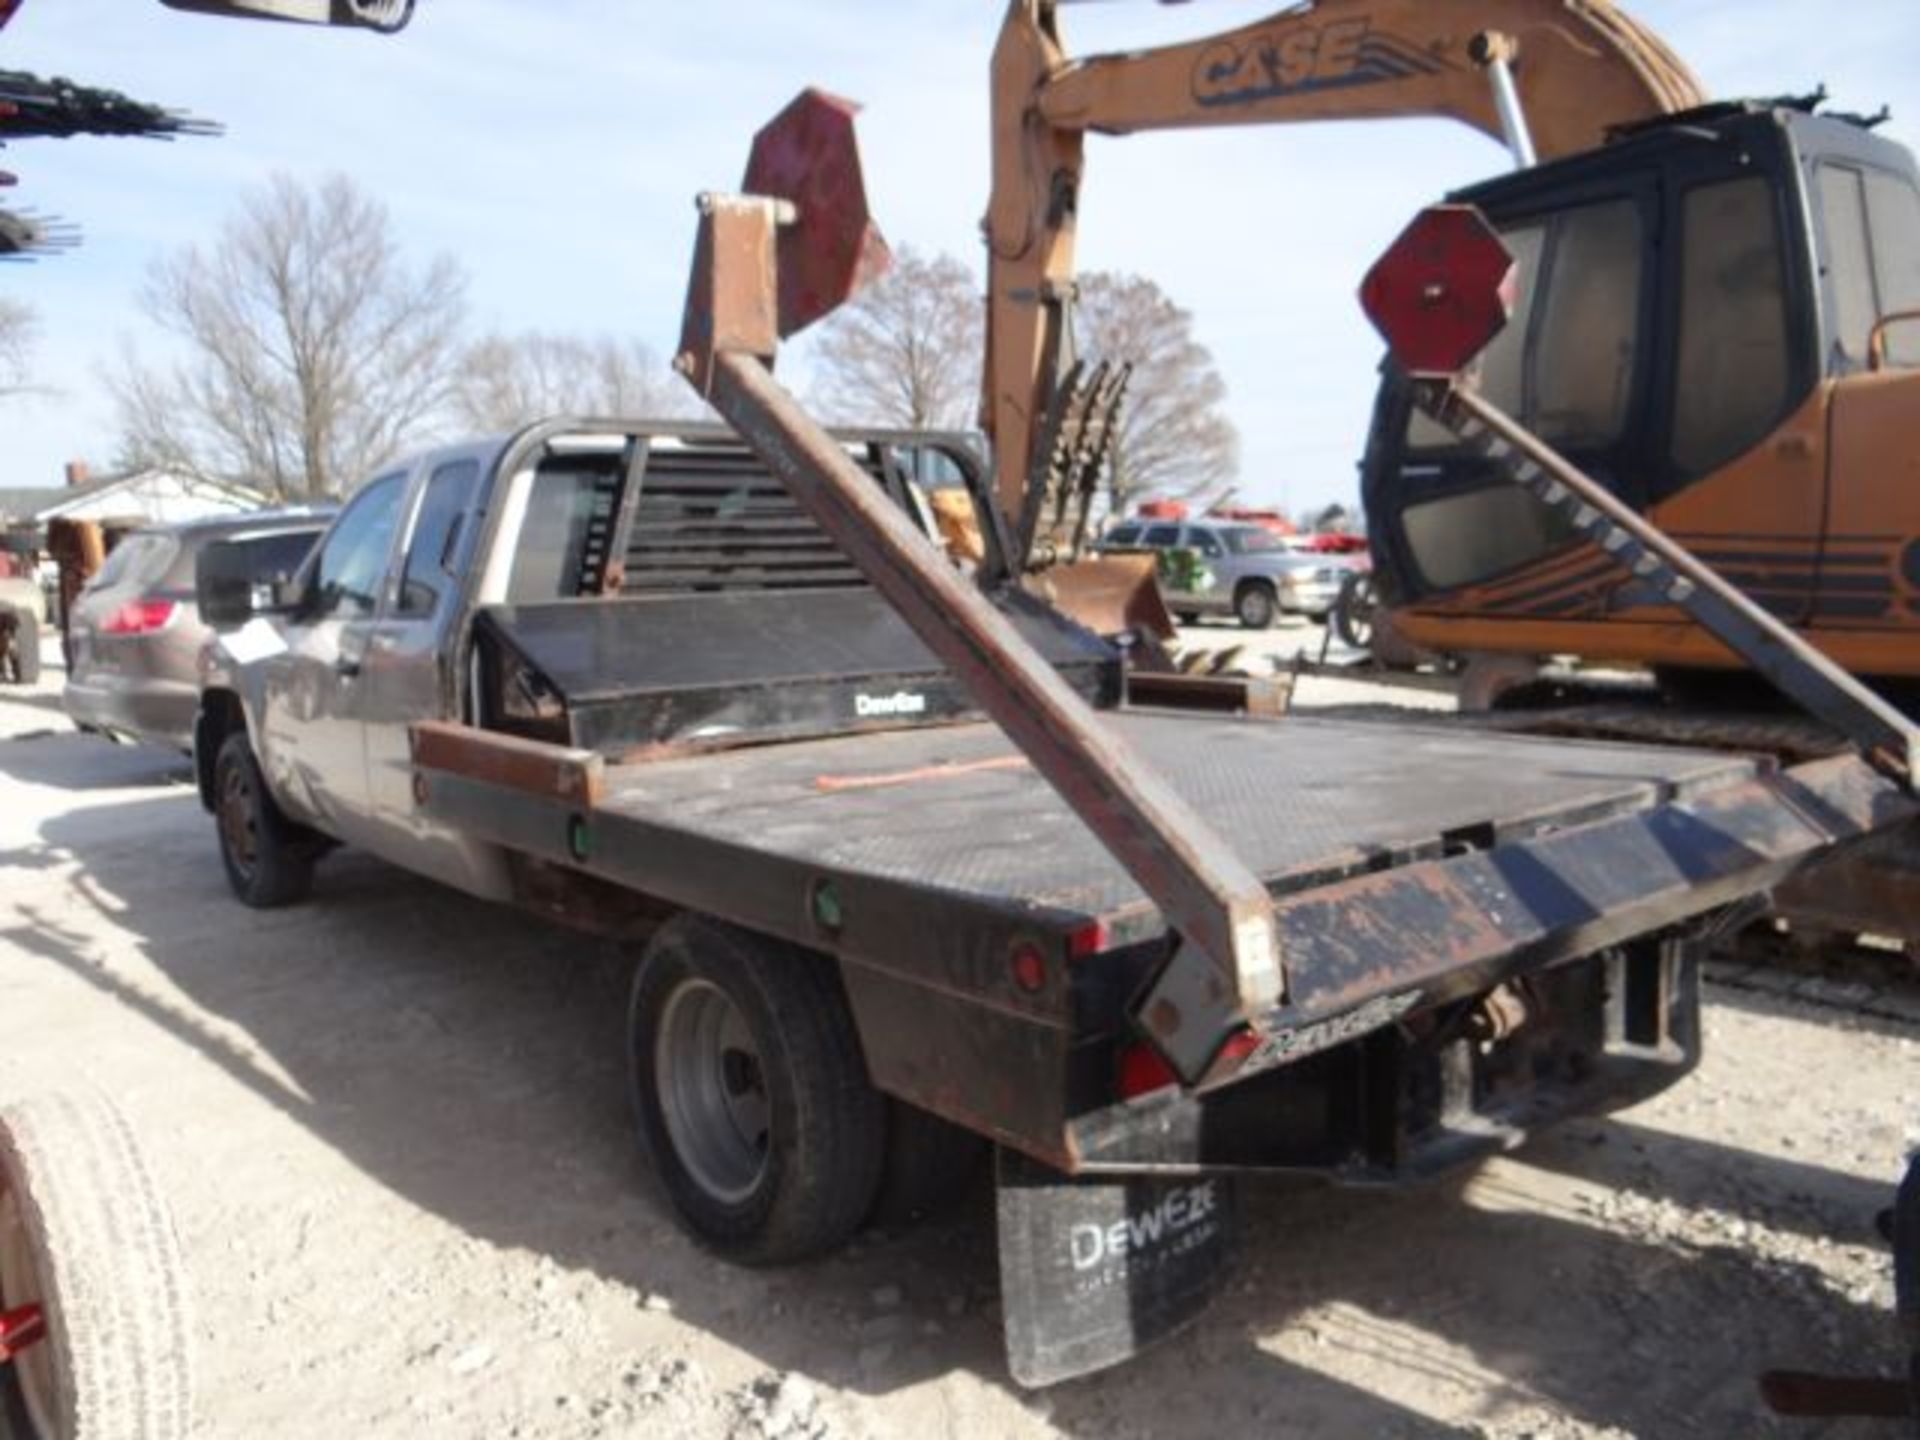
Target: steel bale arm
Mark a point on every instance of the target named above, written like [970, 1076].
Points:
[1229, 965]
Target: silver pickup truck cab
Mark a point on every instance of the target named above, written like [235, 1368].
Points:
[308, 704]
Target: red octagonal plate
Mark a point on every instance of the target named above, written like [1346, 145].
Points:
[807, 154]
[1442, 291]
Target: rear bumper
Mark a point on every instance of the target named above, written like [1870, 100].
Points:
[1414, 1099]
[157, 712]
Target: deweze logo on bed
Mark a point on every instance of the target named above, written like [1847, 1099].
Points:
[1179, 1213]
[901, 702]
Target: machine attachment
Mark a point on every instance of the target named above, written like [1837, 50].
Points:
[1227, 963]
[1439, 295]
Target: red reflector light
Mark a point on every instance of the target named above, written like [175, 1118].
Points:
[1142, 1071]
[1089, 939]
[1029, 967]
[1240, 1045]
[140, 617]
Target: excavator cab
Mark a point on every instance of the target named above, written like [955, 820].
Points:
[1719, 317]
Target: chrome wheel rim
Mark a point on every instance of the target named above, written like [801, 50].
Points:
[711, 1085]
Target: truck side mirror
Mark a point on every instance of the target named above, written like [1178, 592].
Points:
[231, 590]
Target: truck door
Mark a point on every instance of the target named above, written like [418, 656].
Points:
[405, 677]
[311, 742]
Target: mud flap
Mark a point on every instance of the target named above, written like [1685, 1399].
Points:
[1094, 1270]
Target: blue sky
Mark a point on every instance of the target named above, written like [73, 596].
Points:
[555, 147]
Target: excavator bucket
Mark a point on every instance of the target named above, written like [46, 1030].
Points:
[807, 155]
[1111, 594]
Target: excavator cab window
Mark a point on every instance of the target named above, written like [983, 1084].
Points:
[1566, 364]
[1733, 321]
[1870, 219]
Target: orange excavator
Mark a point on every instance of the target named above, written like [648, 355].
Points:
[1751, 387]
[1548, 77]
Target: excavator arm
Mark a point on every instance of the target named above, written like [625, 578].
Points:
[1578, 66]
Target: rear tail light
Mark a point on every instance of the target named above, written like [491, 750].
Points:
[1142, 1070]
[140, 617]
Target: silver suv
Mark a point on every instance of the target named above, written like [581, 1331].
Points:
[135, 634]
[1241, 570]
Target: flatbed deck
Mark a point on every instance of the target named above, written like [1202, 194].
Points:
[1302, 800]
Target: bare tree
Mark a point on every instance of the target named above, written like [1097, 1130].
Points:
[507, 380]
[312, 351]
[1175, 437]
[906, 350]
[19, 328]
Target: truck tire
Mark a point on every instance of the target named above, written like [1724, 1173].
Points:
[83, 1235]
[1256, 606]
[750, 1092]
[22, 650]
[269, 861]
[928, 1167]
[1354, 610]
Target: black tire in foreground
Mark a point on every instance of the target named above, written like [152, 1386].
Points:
[84, 1235]
[751, 1093]
[269, 860]
[1256, 607]
[23, 650]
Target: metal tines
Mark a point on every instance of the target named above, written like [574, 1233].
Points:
[27, 236]
[33, 108]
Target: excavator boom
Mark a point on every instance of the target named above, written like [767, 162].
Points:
[1578, 66]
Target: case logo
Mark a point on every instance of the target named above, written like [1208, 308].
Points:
[1298, 59]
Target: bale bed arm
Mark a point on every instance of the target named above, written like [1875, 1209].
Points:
[768, 263]
[1439, 295]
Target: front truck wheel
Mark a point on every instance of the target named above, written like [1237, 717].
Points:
[751, 1093]
[85, 1240]
[269, 862]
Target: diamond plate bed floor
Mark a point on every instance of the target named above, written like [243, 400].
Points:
[1303, 800]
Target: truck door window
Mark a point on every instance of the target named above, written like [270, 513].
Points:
[1732, 379]
[1203, 541]
[353, 561]
[1162, 536]
[429, 569]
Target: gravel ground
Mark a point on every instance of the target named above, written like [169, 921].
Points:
[392, 1126]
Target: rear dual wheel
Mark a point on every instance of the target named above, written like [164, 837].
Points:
[752, 1100]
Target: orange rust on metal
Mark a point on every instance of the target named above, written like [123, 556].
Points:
[575, 776]
[807, 155]
[1110, 594]
[732, 295]
[833, 783]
